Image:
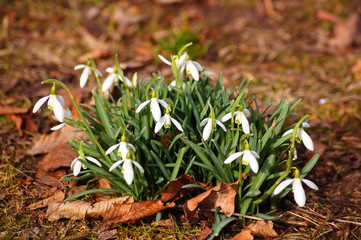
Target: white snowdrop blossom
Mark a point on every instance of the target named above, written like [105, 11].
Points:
[67, 114]
[240, 118]
[114, 77]
[166, 122]
[86, 74]
[154, 106]
[183, 62]
[127, 168]
[77, 165]
[210, 126]
[248, 157]
[298, 191]
[56, 103]
[123, 148]
[303, 136]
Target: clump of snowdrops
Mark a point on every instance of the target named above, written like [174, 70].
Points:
[159, 129]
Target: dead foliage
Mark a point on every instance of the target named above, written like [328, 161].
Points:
[243, 235]
[222, 196]
[262, 228]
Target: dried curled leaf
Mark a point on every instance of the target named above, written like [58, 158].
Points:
[262, 228]
[121, 213]
[80, 210]
[222, 196]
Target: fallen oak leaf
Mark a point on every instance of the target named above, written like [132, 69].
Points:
[222, 195]
[131, 212]
[58, 196]
[79, 209]
[262, 228]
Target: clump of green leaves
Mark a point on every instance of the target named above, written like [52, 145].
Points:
[155, 132]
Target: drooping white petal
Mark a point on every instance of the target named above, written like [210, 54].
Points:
[128, 83]
[138, 166]
[282, 186]
[306, 139]
[108, 82]
[207, 129]
[245, 124]
[252, 161]
[111, 149]
[115, 165]
[310, 184]
[84, 76]
[77, 167]
[141, 106]
[255, 154]
[163, 103]
[128, 171]
[246, 111]
[159, 124]
[198, 66]
[182, 60]
[204, 121]
[221, 125]
[129, 145]
[57, 127]
[80, 66]
[192, 70]
[233, 157]
[61, 100]
[299, 192]
[93, 160]
[287, 132]
[164, 60]
[109, 70]
[40, 103]
[155, 109]
[305, 125]
[57, 108]
[73, 162]
[227, 116]
[177, 124]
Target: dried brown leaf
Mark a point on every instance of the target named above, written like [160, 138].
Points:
[262, 228]
[222, 196]
[58, 196]
[62, 156]
[130, 212]
[48, 142]
[206, 231]
[4, 110]
[175, 189]
[80, 210]
[243, 235]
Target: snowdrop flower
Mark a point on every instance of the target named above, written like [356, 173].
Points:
[135, 80]
[127, 168]
[303, 136]
[67, 114]
[249, 157]
[183, 62]
[56, 103]
[77, 165]
[298, 191]
[154, 106]
[240, 118]
[166, 122]
[114, 77]
[86, 73]
[210, 126]
[123, 148]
